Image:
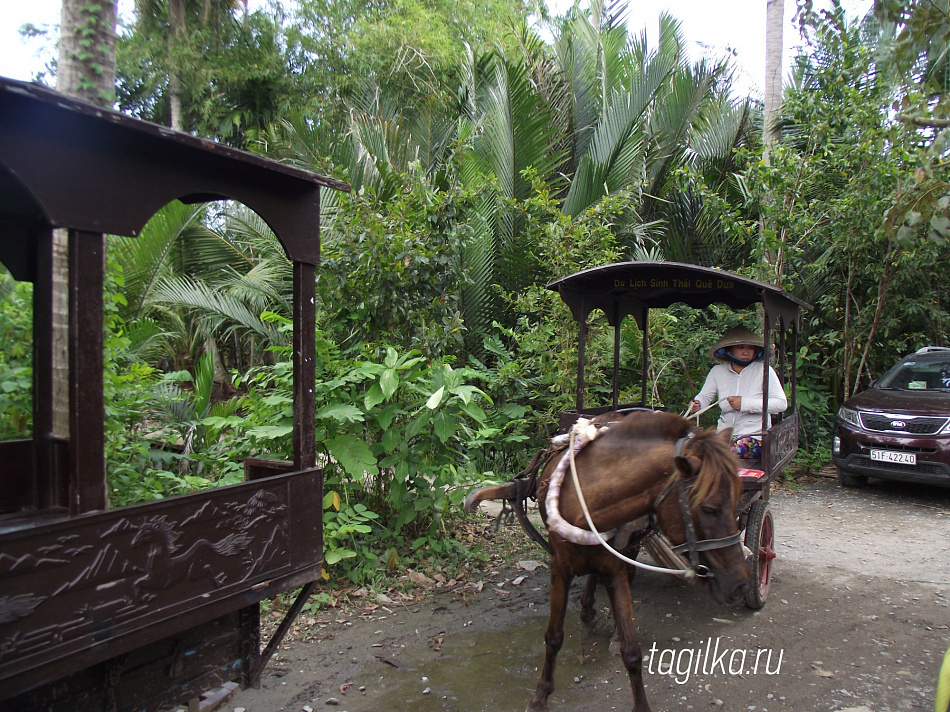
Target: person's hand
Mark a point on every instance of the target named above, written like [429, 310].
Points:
[735, 402]
[693, 406]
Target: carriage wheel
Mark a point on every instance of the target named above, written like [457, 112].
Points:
[760, 538]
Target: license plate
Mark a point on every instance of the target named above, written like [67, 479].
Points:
[901, 458]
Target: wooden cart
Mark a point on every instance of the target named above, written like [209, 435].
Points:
[140, 607]
[632, 289]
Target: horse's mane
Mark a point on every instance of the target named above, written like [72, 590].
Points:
[719, 462]
[718, 458]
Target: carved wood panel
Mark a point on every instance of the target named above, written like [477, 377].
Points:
[120, 578]
[781, 444]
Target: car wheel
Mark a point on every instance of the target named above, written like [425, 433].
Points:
[849, 479]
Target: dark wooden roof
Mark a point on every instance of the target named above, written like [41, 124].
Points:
[627, 287]
[67, 163]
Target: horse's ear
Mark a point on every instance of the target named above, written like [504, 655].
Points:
[725, 435]
[688, 465]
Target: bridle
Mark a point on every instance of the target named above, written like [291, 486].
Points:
[692, 546]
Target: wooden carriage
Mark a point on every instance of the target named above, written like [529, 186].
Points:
[627, 289]
[139, 607]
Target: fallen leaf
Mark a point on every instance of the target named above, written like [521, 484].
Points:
[418, 577]
[530, 565]
[821, 672]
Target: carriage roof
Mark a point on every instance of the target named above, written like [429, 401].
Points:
[625, 288]
[67, 163]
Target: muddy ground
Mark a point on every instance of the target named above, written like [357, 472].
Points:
[857, 619]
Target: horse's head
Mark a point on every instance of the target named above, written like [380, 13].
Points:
[159, 530]
[707, 465]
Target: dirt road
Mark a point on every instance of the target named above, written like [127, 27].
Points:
[857, 620]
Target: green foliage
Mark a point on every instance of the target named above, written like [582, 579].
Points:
[859, 229]
[198, 279]
[535, 359]
[233, 74]
[345, 530]
[400, 436]
[16, 350]
[391, 273]
[409, 49]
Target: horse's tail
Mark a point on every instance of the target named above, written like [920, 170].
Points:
[509, 490]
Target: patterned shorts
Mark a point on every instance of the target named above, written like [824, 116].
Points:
[747, 447]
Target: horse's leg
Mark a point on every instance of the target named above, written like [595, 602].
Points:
[587, 599]
[553, 636]
[621, 602]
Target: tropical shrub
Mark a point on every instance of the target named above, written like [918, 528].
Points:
[401, 439]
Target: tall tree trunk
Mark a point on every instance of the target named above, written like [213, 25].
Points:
[774, 25]
[85, 70]
[86, 65]
[176, 34]
[774, 21]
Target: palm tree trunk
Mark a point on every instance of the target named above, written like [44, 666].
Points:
[86, 65]
[176, 32]
[89, 75]
[774, 22]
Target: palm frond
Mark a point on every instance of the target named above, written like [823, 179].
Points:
[217, 310]
[150, 256]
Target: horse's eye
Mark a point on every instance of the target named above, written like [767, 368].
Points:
[711, 511]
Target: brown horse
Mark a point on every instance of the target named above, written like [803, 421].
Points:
[632, 470]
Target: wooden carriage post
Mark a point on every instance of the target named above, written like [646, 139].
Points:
[143, 606]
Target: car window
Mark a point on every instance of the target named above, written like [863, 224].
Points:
[918, 375]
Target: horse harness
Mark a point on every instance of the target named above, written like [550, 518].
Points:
[691, 545]
[633, 532]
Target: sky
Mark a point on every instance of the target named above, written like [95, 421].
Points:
[710, 26]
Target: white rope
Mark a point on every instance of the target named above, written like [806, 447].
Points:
[685, 573]
[687, 414]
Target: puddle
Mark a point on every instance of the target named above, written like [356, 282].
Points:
[496, 671]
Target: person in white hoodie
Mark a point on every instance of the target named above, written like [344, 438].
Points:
[737, 383]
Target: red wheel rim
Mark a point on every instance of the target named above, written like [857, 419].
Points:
[766, 553]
